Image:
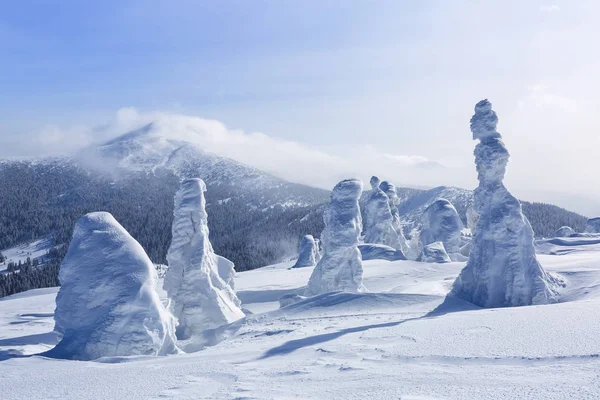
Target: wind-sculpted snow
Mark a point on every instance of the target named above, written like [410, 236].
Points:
[593, 225]
[441, 223]
[200, 298]
[107, 304]
[390, 190]
[502, 269]
[434, 252]
[226, 270]
[379, 221]
[309, 254]
[564, 231]
[341, 265]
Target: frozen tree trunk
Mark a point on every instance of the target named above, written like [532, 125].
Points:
[502, 270]
[200, 298]
[107, 304]
[340, 269]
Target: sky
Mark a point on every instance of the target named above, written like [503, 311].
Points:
[322, 88]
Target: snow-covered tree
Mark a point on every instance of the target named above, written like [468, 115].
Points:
[593, 225]
[340, 268]
[441, 223]
[502, 270]
[107, 304]
[200, 298]
[390, 190]
[379, 224]
[308, 254]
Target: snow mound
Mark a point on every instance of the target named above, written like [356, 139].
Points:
[107, 304]
[341, 265]
[502, 270]
[380, 252]
[434, 252]
[564, 231]
[441, 223]
[593, 225]
[200, 298]
[309, 254]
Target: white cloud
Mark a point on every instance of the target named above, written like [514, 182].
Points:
[549, 8]
[540, 96]
[287, 159]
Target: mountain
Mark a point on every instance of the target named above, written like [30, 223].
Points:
[254, 217]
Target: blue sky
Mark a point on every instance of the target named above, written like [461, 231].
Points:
[398, 77]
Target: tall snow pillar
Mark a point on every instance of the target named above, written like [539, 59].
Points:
[340, 268]
[502, 270]
[200, 298]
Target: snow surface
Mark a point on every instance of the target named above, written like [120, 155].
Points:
[107, 304]
[398, 341]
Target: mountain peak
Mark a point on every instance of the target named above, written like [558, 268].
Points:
[140, 132]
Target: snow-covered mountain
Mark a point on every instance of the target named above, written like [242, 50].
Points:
[148, 149]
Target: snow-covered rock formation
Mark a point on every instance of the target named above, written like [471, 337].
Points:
[441, 223]
[502, 270]
[379, 221]
[340, 268]
[564, 231]
[200, 298]
[308, 254]
[593, 225]
[390, 190]
[434, 252]
[107, 304]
